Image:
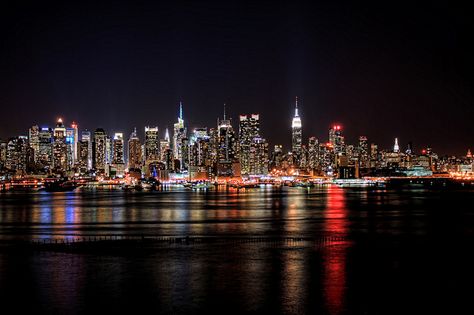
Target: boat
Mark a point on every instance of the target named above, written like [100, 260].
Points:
[60, 186]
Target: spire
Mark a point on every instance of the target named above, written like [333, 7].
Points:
[296, 107]
[224, 111]
[396, 148]
[167, 135]
[181, 110]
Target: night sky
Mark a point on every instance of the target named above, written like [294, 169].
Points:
[404, 70]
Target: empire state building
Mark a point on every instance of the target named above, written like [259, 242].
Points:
[296, 131]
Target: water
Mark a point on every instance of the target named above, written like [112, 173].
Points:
[397, 251]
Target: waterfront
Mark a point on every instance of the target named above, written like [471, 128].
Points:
[397, 251]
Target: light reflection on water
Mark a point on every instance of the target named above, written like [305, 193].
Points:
[247, 278]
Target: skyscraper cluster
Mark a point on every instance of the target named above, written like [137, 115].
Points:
[205, 153]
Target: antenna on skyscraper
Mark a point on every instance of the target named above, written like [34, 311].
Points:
[180, 110]
[224, 111]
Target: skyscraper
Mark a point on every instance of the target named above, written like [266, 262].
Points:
[135, 159]
[363, 151]
[118, 161]
[45, 153]
[99, 148]
[249, 128]
[258, 157]
[297, 133]
[33, 139]
[396, 147]
[152, 145]
[226, 146]
[60, 157]
[86, 139]
[336, 139]
[178, 135]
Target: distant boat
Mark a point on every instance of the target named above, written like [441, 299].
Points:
[60, 186]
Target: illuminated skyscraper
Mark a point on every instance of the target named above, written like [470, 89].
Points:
[118, 160]
[164, 146]
[45, 153]
[33, 139]
[60, 161]
[178, 136]
[313, 153]
[152, 145]
[258, 157]
[99, 150]
[396, 147]
[249, 128]
[17, 155]
[297, 133]
[71, 142]
[363, 151]
[226, 146]
[135, 159]
[86, 139]
[336, 139]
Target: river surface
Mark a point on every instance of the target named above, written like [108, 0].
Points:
[388, 252]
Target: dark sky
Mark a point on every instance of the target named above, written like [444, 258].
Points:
[402, 70]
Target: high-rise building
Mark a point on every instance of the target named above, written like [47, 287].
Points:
[118, 160]
[363, 152]
[17, 155]
[45, 153]
[277, 156]
[258, 157]
[60, 156]
[86, 139]
[135, 159]
[33, 139]
[336, 139]
[99, 150]
[109, 150]
[226, 146]
[313, 153]
[164, 146]
[249, 129]
[83, 156]
[297, 133]
[178, 135]
[152, 145]
[3, 154]
[72, 136]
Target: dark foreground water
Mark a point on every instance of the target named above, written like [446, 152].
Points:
[389, 252]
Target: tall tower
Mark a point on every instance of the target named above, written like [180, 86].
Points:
[296, 129]
[178, 136]
[396, 147]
